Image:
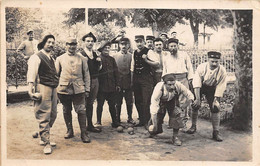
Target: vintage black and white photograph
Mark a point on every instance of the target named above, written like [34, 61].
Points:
[111, 83]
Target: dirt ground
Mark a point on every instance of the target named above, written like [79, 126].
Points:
[111, 145]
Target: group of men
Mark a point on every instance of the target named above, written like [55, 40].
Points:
[157, 80]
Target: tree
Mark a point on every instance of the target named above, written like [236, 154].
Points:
[74, 15]
[243, 64]
[159, 20]
[209, 17]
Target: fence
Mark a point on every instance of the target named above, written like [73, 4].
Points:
[17, 66]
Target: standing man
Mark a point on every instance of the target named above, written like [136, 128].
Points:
[149, 42]
[42, 65]
[179, 64]
[28, 47]
[174, 36]
[157, 55]
[165, 97]
[108, 84]
[74, 87]
[164, 37]
[123, 61]
[209, 79]
[94, 65]
[142, 80]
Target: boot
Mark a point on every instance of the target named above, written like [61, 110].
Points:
[89, 111]
[176, 141]
[192, 130]
[82, 124]
[68, 121]
[216, 136]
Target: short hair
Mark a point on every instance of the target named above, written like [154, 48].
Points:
[44, 40]
[157, 40]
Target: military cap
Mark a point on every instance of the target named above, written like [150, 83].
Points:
[165, 34]
[172, 40]
[168, 77]
[173, 32]
[90, 34]
[71, 40]
[158, 39]
[103, 45]
[150, 37]
[214, 54]
[29, 32]
[124, 40]
[139, 37]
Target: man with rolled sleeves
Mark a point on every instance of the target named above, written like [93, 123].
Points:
[210, 80]
[108, 84]
[142, 80]
[149, 42]
[74, 87]
[164, 37]
[44, 93]
[28, 47]
[165, 97]
[123, 61]
[94, 65]
[179, 64]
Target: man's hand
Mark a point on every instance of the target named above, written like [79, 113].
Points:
[196, 104]
[86, 94]
[98, 59]
[118, 89]
[144, 56]
[215, 103]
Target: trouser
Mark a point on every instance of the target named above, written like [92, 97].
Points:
[157, 77]
[111, 99]
[143, 87]
[209, 92]
[128, 95]
[46, 111]
[90, 100]
[175, 120]
[78, 101]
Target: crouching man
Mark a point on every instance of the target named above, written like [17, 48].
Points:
[165, 97]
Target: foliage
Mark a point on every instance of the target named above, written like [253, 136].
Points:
[243, 64]
[104, 32]
[74, 15]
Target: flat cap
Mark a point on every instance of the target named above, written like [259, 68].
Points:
[71, 40]
[214, 54]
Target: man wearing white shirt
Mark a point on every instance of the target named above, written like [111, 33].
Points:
[42, 65]
[156, 55]
[209, 79]
[165, 97]
[28, 47]
[178, 63]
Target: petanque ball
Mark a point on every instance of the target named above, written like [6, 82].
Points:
[130, 129]
[120, 129]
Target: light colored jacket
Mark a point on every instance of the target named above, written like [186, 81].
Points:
[74, 74]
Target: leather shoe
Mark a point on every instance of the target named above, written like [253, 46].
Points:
[85, 137]
[94, 129]
[216, 136]
[69, 134]
[176, 141]
[192, 130]
[47, 149]
[115, 125]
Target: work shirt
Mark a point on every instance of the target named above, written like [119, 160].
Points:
[156, 57]
[216, 78]
[74, 74]
[33, 66]
[178, 64]
[108, 75]
[161, 93]
[28, 47]
[123, 62]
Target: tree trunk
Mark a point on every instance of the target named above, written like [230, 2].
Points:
[194, 24]
[155, 30]
[243, 65]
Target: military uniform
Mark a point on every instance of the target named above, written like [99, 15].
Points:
[74, 83]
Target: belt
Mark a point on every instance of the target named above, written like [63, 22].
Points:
[181, 75]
